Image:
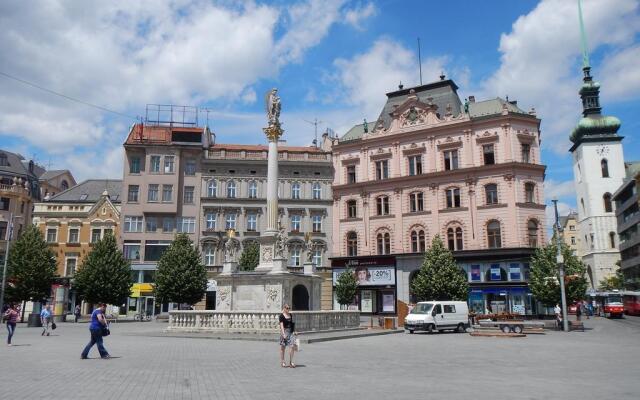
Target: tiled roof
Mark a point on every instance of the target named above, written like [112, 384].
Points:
[52, 174]
[14, 166]
[90, 191]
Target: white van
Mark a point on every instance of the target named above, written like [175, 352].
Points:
[438, 316]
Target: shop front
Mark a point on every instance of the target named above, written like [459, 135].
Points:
[376, 277]
[500, 300]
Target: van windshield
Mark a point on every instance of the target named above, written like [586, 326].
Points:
[422, 308]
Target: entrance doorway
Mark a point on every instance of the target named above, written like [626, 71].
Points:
[300, 301]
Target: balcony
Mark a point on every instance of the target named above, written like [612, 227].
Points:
[13, 190]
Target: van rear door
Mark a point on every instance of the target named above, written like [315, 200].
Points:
[438, 318]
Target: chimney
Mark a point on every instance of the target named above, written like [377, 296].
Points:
[472, 99]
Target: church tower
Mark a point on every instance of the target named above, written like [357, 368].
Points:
[598, 170]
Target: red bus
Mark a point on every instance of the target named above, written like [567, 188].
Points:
[631, 302]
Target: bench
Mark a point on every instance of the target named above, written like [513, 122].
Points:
[576, 326]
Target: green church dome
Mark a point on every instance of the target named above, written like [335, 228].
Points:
[595, 125]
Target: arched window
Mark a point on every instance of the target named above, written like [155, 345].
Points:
[418, 243]
[352, 244]
[612, 239]
[253, 190]
[529, 192]
[494, 238]
[231, 189]
[491, 193]
[532, 230]
[384, 243]
[607, 202]
[454, 238]
[64, 185]
[604, 166]
[352, 209]
[3, 160]
[212, 188]
[316, 191]
[295, 190]
[582, 204]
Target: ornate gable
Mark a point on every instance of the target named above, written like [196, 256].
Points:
[414, 112]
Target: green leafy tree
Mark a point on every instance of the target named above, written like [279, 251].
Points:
[440, 278]
[250, 257]
[544, 279]
[612, 282]
[346, 286]
[31, 267]
[181, 277]
[105, 275]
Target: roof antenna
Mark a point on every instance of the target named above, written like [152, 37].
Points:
[315, 124]
[420, 61]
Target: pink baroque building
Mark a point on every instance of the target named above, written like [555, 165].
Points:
[431, 165]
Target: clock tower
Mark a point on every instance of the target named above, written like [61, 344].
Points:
[598, 169]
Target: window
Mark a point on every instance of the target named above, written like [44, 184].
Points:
[167, 193]
[167, 224]
[95, 235]
[153, 249]
[3, 160]
[488, 154]
[418, 243]
[4, 203]
[70, 268]
[316, 191]
[316, 222]
[152, 194]
[295, 190]
[132, 224]
[132, 197]
[231, 189]
[74, 235]
[454, 238]
[612, 240]
[532, 230]
[592, 244]
[450, 160]
[209, 254]
[416, 202]
[253, 190]
[52, 235]
[230, 222]
[529, 192]
[382, 205]
[582, 204]
[210, 220]
[186, 224]
[131, 250]
[295, 255]
[252, 222]
[415, 165]
[107, 231]
[449, 308]
[514, 272]
[316, 259]
[382, 169]
[190, 167]
[188, 194]
[134, 165]
[384, 243]
[573, 240]
[352, 244]
[169, 164]
[526, 153]
[64, 185]
[212, 188]
[491, 193]
[352, 209]
[351, 174]
[453, 198]
[295, 223]
[493, 235]
[152, 224]
[572, 227]
[155, 164]
[604, 166]
[607, 202]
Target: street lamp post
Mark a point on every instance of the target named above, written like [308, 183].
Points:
[9, 236]
[560, 262]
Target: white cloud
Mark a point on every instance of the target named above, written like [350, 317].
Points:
[540, 54]
[249, 96]
[621, 74]
[563, 209]
[356, 16]
[558, 190]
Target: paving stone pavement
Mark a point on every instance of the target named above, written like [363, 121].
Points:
[600, 363]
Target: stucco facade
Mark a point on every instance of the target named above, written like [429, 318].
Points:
[432, 166]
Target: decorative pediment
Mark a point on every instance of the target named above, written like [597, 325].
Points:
[415, 112]
[487, 137]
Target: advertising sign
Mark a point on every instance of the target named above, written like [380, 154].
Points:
[387, 303]
[475, 273]
[370, 276]
[366, 301]
[495, 272]
[514, 272]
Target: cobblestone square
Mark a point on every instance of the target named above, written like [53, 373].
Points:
[599, 363]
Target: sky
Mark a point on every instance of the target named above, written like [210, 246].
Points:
[332, 60]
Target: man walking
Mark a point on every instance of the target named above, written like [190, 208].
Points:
[97, 328]
[76, 312]
[558, 313]
[45, 319]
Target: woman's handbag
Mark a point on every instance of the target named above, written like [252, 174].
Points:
[53, 326]
[106, 331]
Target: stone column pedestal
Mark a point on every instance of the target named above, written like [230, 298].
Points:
[229, 267]
[309, 268]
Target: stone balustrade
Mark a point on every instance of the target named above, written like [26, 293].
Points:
[259, 321]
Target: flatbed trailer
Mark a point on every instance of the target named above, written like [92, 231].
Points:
[514, 326]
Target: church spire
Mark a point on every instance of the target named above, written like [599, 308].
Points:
[590, 91]
[583, 39]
